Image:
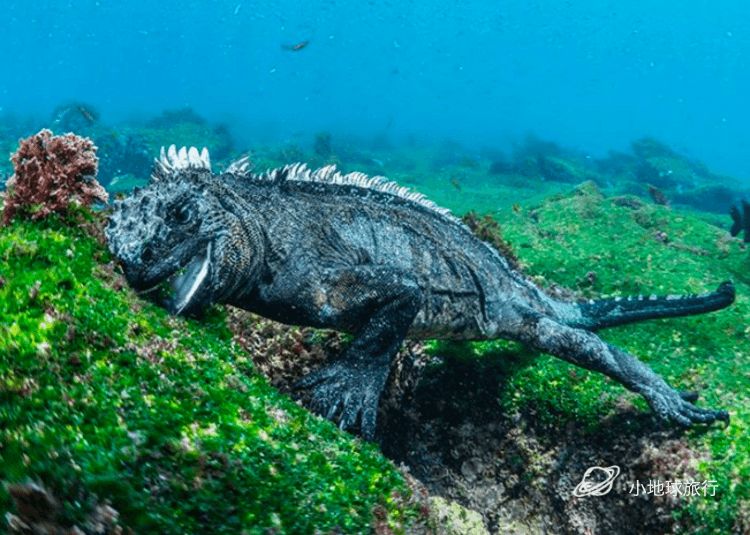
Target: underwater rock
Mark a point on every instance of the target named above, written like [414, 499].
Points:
[322, 145]
[450, 153]
[454, 519]
[290, 153]
[663, 167]
[628, 201]
[555, 169]
[543, 160]
[38, 513]
[186, 127]
[34, 503]
[678, 178]
[741, 221]
[169, 118]
[223, 144]
[661, 173]
[533, 147]
[501, 167]
[616, 163]
[648, 147]
[651, 150]
[122, 154]
[74, 117]
[709, 198]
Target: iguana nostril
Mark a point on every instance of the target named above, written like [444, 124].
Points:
[147, 254]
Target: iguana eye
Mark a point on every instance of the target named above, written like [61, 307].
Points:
[182, 215]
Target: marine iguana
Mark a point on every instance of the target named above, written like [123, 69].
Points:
[363, 255]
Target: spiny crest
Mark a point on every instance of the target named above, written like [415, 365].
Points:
[299, 172]
[240, 167]
[171, 161]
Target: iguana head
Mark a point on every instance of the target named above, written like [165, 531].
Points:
[181, 235]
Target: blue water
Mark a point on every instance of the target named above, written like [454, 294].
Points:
[590, 74]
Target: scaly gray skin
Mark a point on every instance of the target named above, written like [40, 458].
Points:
[362, 255]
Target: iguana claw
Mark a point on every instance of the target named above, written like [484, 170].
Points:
[347, 395]
[674, 406]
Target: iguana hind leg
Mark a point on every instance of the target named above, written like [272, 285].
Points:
[380, 304]
[584, 348]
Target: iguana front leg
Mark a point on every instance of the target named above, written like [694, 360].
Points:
[584, 348]
[378, 305]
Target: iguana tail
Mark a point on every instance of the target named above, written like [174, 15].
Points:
[603, 313]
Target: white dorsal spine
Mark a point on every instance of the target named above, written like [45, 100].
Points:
[239, 167]
[172, 160]
[299, 172]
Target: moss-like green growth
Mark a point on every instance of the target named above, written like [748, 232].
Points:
[488, 229]
[452, 519]
[605, 247]
[105, 398]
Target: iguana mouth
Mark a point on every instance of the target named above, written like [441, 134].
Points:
[185, 283]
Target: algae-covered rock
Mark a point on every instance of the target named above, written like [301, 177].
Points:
[711, 198]
[111, 409]
[563, 170]
[450, 518]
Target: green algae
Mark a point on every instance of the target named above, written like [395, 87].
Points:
[104, 398]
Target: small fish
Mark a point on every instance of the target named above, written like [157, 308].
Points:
[741, 221]
[65, 113]
[657, 195]
[455, 183]
[297, 46]
[86, 114]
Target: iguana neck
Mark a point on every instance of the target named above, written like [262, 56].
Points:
[244, 254]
